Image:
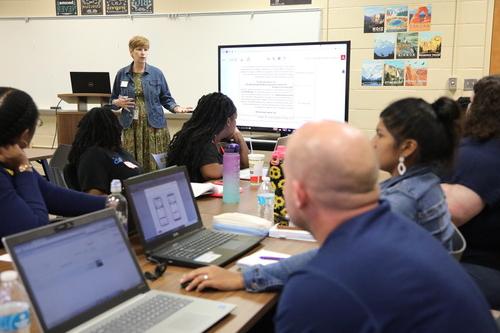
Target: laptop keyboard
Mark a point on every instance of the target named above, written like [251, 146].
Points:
[143, 316]
[198, 244]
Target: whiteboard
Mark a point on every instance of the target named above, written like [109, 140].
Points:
[38, 54]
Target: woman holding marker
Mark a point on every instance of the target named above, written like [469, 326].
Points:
[141, 91]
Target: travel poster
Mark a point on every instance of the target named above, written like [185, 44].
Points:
[407, 45]
[371, 73]
[374, 19]
[289, 2]
[141, 6]
[430, 45]
[420, 18]
[396, 19]
[394, 71]
[384, 45]
[66, 7]
[91, 7]
[116, 7]
[416, 73]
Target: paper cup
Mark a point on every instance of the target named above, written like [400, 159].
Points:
[256, 162]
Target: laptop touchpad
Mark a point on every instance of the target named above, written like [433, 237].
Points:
[232, 245]
[191, 322]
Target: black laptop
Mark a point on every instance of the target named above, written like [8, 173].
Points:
[170, 225]
[90, 82]
[82, 276]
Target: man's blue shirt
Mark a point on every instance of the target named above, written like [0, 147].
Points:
[380, 272]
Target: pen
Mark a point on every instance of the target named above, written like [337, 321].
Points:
[271, 258]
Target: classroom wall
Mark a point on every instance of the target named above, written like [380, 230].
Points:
[466, 26]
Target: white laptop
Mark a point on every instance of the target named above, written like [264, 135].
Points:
[81, 276]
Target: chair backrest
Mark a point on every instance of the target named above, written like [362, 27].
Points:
[161, 160]
[458, 244]
[56, 165]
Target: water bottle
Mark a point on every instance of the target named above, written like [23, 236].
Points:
[265, 199]
[231, 174]
[117, 201]
[14, 304]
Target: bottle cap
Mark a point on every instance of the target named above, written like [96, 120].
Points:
[8, 276]
[116, 186]
[232, 148]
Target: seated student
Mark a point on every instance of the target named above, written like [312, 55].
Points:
[198, 144]
[473, 188]
[413, 138]
[97, 156]
[26, 198]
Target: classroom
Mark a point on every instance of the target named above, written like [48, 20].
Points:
[449, 56]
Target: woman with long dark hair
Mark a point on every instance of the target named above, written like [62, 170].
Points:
[198, 144]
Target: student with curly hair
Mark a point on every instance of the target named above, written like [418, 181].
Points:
[198, 144]
[97, 156]
[26, 198]
[473, 189]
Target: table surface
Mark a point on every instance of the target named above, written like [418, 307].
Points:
[35, 154]
[250, 306]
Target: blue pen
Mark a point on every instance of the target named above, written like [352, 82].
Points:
[271, 258]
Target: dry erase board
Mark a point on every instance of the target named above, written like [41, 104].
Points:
[39, 53]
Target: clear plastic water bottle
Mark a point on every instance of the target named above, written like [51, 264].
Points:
[265, 199]
[14, 304]
[117, 201]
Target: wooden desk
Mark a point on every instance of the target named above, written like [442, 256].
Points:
[41, 155]
[250, 306]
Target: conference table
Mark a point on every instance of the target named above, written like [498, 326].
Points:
[250, 307]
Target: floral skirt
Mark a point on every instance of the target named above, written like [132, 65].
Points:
[142, 140]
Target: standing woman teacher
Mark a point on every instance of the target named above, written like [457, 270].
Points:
[141, 91]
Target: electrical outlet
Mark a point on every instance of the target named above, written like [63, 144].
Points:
[469, 84]
[452, 83]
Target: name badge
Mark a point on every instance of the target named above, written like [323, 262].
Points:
[124, 84]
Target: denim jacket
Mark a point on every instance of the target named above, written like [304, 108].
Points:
[156, 94]
[417, 195]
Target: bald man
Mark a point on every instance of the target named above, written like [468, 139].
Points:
[367, 275]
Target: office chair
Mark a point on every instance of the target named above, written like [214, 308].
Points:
[458, 244]
[55, 172]
[160, 159]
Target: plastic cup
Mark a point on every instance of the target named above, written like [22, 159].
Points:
[256, 162]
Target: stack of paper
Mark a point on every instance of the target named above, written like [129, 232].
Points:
[262, 257]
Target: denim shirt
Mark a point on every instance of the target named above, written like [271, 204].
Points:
[417, 195]
[156, 94]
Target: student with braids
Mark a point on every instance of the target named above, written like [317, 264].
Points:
[413, 140]
[198, 144]
[97, 156]
[26, 198]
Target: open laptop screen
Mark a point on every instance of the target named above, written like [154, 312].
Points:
[163, 202]
[68, 273]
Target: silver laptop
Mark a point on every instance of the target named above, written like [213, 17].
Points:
[81, 276]
[170, 226]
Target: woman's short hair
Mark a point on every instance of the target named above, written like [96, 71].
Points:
[483, 119]
[138, 41]
[18, 112]
[435, 127]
